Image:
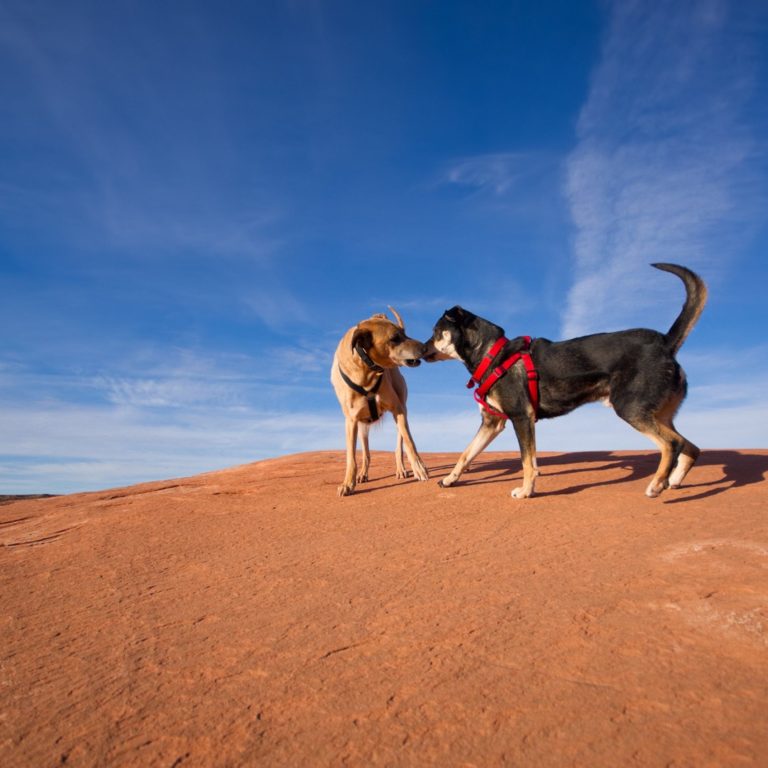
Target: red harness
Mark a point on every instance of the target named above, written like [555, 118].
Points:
[483, 389]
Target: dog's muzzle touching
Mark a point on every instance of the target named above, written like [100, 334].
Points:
[410, 353]
[431, 353]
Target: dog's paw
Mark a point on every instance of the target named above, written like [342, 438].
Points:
[362, 478]
[676, 478]
[421, 473]
[345, 490]
[655, 488]
[521, 493]
[402, 474]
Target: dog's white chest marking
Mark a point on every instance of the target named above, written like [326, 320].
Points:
[445, 346]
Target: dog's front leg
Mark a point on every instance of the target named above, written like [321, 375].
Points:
[362, 475]
[525, 429]
[348, 486]
[490, 427]
[419, 470]
[400, 471]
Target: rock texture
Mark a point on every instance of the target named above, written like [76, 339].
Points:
[251, 617]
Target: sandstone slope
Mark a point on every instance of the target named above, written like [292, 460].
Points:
[251, 617]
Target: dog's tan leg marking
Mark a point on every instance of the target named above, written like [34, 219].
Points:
[661, 478]
[362, 472]
[419, 470]
[525, 430]
[490, 428]
[348, 486]
[400, 471]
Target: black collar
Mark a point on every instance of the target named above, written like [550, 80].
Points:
[367, 360]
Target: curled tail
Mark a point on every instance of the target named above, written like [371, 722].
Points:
[695, 299]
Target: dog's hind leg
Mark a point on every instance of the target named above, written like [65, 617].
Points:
[669, 453]
[400, 471]
[675, 449]
[362, 472]
[490, 428]
[348, 486]
[525, 430]
[686, 454]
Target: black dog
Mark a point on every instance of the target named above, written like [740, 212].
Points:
[634, 371]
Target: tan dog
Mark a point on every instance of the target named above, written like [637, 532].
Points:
[367, 381]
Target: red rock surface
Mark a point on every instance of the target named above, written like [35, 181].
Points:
[251, 617]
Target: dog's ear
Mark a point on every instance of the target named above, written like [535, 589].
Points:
[455, 315]
[397, 317]
[362, 337]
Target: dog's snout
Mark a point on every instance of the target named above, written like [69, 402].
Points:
[413, 348]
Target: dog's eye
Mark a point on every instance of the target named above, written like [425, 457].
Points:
[397, 339]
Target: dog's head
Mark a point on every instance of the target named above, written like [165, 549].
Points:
[456, 333]
[386, 343]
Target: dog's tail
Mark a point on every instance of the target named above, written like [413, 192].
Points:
[695, 299]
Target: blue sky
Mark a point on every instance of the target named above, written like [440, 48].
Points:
[198, 199]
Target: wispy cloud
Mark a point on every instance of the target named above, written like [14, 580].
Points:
[123, 445]
[522, 183]
[277, 306]
[661, 171]
[184, 413]
[496, 173]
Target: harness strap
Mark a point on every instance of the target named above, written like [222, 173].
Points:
[486, 361]
[483, 389]
[368, 394]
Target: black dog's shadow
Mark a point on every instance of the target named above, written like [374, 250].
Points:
[739, 469]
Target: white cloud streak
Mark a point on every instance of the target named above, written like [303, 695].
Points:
[66, 448]
[494, 173]
[183, 413]
[661, 168]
